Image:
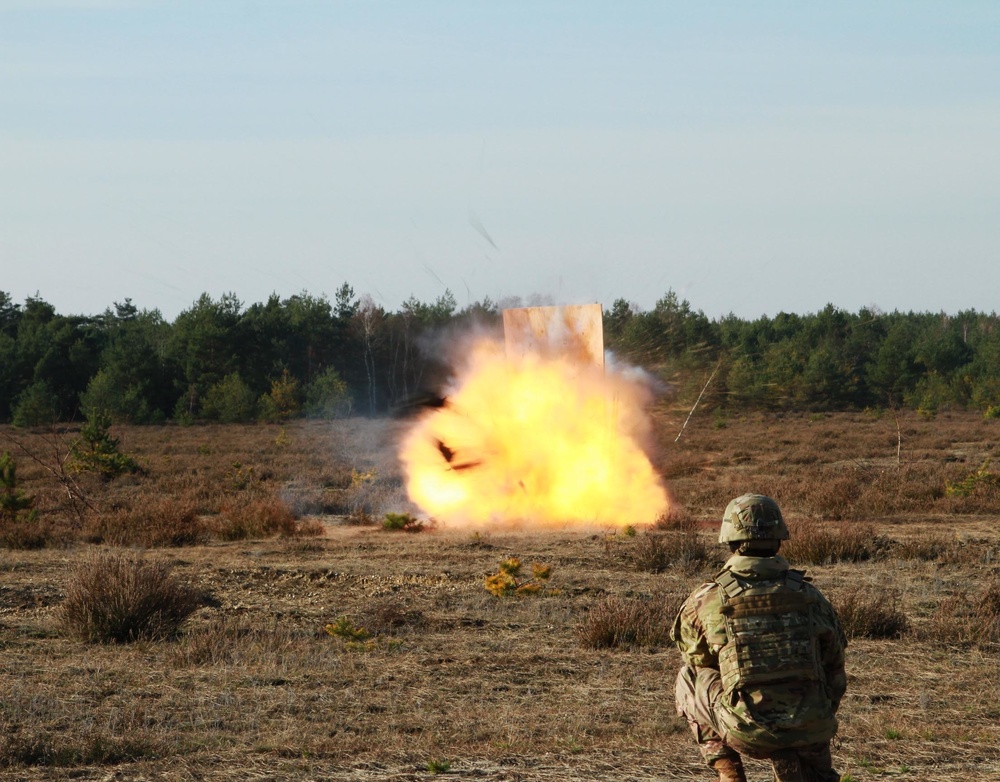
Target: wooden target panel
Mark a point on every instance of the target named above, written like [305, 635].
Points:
[575, 332]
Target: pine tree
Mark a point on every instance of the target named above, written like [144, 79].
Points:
[13, 502]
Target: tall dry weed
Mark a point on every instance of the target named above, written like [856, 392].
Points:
[926, 548]
[676, 519]
[238, 641]
[628, 623]
[54, 748]
[119, 598]
[249, 515]
[152, 523]
[28, 534]
[966, 618]
[867, 612]
[656, 552]
[827, 543]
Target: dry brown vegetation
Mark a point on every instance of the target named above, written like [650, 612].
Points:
[278, 531]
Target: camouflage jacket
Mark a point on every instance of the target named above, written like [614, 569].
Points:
[761, 708]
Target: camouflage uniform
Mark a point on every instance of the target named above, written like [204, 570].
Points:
[763, 669]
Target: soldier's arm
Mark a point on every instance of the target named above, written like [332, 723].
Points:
[832, 643]
[688, 634]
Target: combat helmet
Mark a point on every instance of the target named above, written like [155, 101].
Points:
[752, 517]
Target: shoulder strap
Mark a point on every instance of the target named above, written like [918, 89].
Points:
[729, 584]
[794, 579]
[733, 587]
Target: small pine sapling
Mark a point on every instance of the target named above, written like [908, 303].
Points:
[99, 451]
[441, 766]
[402, 522]
[971, 482]
[346, 629]
[14, 504]
[509, 581]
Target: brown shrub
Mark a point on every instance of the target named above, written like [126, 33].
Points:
[965, 619]
[830, 496]
[973, 552]
[819, 543]
[927, 548]
[249, 516]
[948, 550]
[657, 552]
[25, 535]
[359, 517]
[867, 613]
[118, 598]
[308, 528]
[153, 523]
[626, 623]
[861, 490]
[676, 519]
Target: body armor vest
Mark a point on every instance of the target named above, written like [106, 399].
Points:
[771, 639]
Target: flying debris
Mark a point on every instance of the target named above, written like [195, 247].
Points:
[477, 224]
[416, 403]
[446, 452]
[449, 456]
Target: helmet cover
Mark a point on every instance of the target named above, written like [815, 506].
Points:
[752, 517]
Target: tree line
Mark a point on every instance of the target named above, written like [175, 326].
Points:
[306, 355]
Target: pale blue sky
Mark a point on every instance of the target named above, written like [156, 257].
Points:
[754, 157]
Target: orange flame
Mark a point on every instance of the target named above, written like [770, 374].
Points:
[534, 441]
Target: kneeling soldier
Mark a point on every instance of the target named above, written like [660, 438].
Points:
[763, 670]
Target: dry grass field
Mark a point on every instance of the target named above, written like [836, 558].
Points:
[425, 673]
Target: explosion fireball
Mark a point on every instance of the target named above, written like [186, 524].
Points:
[530, 439]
